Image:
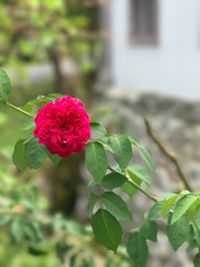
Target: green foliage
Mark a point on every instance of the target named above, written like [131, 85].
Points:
[154, 213]
[115, 205]
[129, 188]
[178, 232]
[169, 203]
[144, 154]
[197, 261]
[96, 160]
[5, 86]
[98, 129]
[20, 212]
[113, 180]
[107, 230]
[137, 249]
[19, 155]
[92, 200]
[121, 148]
[149, 230]
[35, 153]
[54, 158]
[182, 206]
[137, 172]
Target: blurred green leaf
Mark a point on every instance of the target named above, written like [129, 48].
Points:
[33, 250]
[17, 230]
[197, 260]
[182, 206]
[97, 128]
[167, 205]
[96, 160]
[138, 171]
[144, 153]
[113, 180]
[122, 151]
[54, 158]
[62, 249]
[35, 153]
[92, 200]
[137, 249]
[19, 155]
[149, 230]
[5, 85]
[178, 232]
[107, 230]
[115, 205]
[155, 211]
[3, 118]
[129, 187]
[4, 219]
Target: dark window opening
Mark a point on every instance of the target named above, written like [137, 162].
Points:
[144, 21]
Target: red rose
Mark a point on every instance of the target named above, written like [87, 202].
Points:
[63, 126]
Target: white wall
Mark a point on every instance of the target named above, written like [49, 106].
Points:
[172, 67]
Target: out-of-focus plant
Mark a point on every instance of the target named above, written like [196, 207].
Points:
[61, 126]
[24, 217]
[35, 31]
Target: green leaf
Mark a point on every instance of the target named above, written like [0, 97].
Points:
[155, 212]
[137, 249]
[73, 227]
[32, 232]
[98, 129]
[107, 230]
[17, 230]
[92, 183]
[115, 205]
[62, 249]
[149, 230]
[113, 180]
[29, 126]
[178, 232]
[138, 171]
[145, 155]
[197, 260]
[19, 155]
[129, 187]
[192, 243]
[92, 200]
[182, 206]
[196, 234]
[54, 158]
[167, 205]
[197, 216]
[170, 202]
[192, 209]
[35, 153]
[96, 160]
[122, 150]
[36, 251]
[5, 86]
[4, 219]
[104, 142]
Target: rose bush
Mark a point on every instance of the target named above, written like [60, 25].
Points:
[63, 126]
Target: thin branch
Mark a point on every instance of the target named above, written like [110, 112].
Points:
[167, 152]
[19, 110]
[149, 195]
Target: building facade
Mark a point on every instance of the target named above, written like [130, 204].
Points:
[155, 46]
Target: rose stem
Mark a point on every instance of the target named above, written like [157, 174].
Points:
[19, 109]
[150, 196]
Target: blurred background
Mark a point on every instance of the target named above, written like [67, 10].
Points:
[126, 59]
